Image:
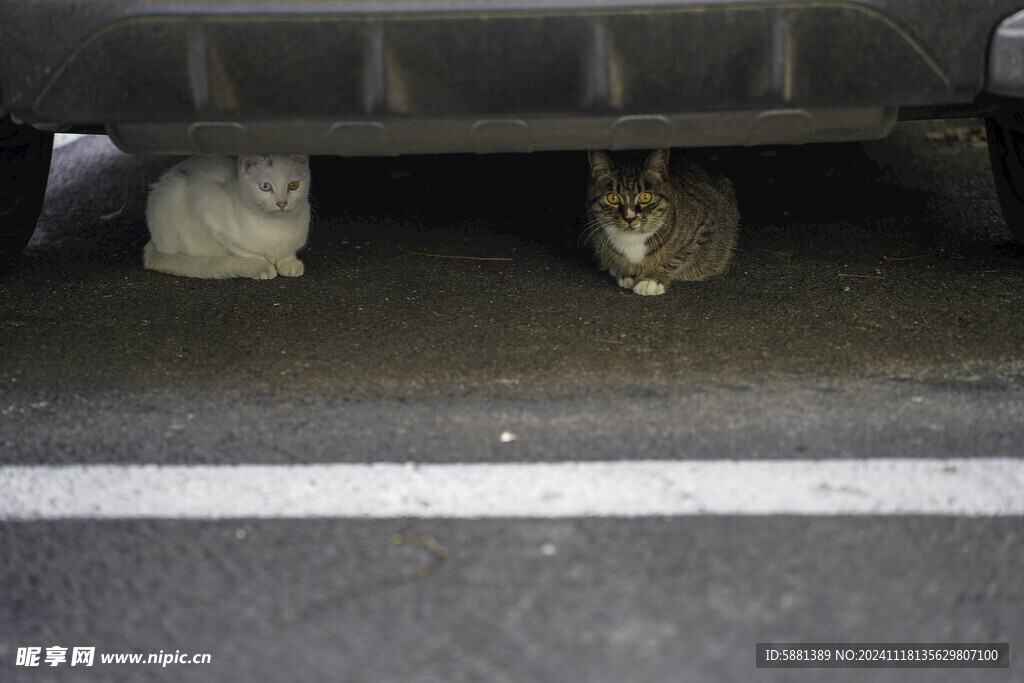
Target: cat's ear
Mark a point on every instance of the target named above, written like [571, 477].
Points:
[299, 160]
[600, 164]
[247, 161]
[657, 163]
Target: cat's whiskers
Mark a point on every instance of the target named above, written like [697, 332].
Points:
[314, 205]
[604, 225]
[588, 232]
[656, 239]
[591, 229]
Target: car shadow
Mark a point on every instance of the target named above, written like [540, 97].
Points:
[832, 201]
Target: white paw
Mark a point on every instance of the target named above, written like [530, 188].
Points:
[293, 268]
[626, 282]
[649, 288]
[266, 272]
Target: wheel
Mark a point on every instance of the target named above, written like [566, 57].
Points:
[1006, 152]
[26, 154]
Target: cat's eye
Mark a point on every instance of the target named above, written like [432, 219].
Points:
[293, 185]
[266, 187]
[612, 199]
[645, 197]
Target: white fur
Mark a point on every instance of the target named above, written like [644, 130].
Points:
[649, 288]
[208, 218]
[631, 245]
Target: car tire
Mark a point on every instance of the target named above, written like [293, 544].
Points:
[26, 154]
[1005, 132]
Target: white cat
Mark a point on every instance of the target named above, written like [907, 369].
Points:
[217, 217]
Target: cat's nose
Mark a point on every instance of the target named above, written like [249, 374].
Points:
[282, 204]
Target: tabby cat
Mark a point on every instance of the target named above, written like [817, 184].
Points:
[651, 224]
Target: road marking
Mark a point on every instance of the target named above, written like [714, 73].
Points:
[963, 487]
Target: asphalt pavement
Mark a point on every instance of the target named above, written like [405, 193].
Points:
[449, 314]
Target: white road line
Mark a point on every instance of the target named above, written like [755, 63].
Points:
[962, 487]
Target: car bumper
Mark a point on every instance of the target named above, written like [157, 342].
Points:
[375, 77]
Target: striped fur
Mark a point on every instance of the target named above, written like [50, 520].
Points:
[686, 231]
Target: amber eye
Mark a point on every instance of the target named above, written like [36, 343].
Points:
[293, 185]
[645, 197]
[612, 199]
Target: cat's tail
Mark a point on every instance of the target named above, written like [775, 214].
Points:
[209, 267]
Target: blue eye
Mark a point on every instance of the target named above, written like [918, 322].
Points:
[266, 187]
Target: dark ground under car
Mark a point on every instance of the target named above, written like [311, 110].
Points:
[370, 78]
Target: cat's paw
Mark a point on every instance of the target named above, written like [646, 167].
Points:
[293, 268]
[263, 271]
[649, 288]
[626, 282]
